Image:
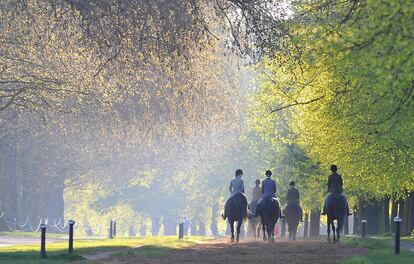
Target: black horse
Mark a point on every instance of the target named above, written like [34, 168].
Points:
[292, 212]
[336, 210]
[269, 211]
[236, 211]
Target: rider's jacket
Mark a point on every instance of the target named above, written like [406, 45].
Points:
[293, 195]
[236, 186]
[268, 188]
[335, 183]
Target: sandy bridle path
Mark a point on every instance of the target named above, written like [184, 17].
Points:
[221, 252]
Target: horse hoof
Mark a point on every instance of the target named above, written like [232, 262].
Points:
[329, 240]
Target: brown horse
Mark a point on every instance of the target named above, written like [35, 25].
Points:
[292, 212]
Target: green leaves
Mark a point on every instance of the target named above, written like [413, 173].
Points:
[345, 89]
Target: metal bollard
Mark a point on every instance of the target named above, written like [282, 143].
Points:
[364, 227]
[43, 241]
[71, 223]
[180, 230]
[114, 222]
[111, 235]
[397, 221]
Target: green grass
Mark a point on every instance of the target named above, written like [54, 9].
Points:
[57, 252]
[380, 252]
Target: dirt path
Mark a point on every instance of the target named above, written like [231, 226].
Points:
[7, 241]
[221, 252]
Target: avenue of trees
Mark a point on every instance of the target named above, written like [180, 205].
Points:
[141, 111]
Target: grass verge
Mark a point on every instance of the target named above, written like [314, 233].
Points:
[57, 252]
[380, 252]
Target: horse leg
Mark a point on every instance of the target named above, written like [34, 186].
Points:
[232, 231]
[329, 231]
[272, 232]
[333, 232]
[338, 230]
[264, 232]
[269, 232]
[294, 232]
[239, 223]
[289, 231]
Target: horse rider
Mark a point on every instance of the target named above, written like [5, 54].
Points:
[256, 195]
[268, 186]
[236, 186]
[268, 190]
[335, 184]
[293, 198]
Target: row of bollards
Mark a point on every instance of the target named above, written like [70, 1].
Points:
[43, 239]
[397, 221]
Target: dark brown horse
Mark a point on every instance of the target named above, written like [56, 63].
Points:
[236, 211]
[292, 213]
[336, 210]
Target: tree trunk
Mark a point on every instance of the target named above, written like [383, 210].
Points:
[170, 227]
[55, 204]
[394, 213]
[383, 217]
[202, 229]
[10, 179]
[193, 229]
[411, 215]
[214, 214]
[314, 226]
[357, 219]
[306, 225]
[346, 225]
[405, 227]
[155, 228]
[370, 214]
[386, 215]
[401, 207]
[143, 230]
